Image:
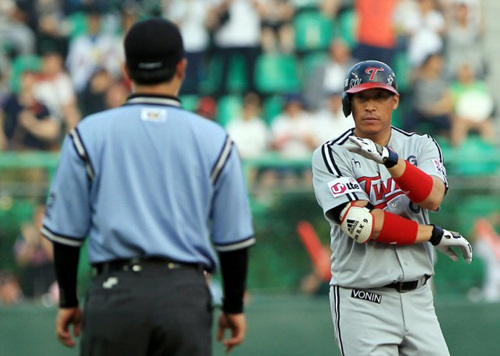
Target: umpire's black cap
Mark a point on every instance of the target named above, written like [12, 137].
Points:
[154, 44]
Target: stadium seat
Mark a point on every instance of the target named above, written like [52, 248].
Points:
[236, 78]
[477, 158]
[277, 73]
[273, 106]
[347, 27]
[313, 31]
[189, 102]
[77, 24]
[228, 108]
[403, 70]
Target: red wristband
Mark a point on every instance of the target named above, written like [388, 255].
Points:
[416, 184]
[398, 230]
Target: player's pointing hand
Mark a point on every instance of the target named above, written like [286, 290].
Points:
[371, 150]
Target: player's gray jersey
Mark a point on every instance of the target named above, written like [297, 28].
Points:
[151, 180]
[340, 176]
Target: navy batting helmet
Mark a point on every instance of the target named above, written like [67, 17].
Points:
[367, 75]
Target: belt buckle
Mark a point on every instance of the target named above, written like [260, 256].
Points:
[400, 287]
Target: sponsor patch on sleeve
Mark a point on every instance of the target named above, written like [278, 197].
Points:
[439, 166]
[344, 185]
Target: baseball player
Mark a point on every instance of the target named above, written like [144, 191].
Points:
[160, 195]
[376, 185]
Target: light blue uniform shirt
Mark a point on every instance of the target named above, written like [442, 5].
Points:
[149, 179]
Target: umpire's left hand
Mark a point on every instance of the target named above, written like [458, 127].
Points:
[237, 323]
[66, 317]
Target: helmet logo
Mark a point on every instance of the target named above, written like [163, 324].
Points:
[373, 72]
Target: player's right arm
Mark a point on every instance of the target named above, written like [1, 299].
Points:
[363, 223]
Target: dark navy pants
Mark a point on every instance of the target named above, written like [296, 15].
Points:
[152, 312]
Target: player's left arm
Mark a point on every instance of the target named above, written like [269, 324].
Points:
[426, 190]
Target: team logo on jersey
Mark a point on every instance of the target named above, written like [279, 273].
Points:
[439, 166]
[343, 186]
[380, 191]
[365, 295]
[154, 115]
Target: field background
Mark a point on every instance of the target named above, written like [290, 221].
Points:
[290, 325]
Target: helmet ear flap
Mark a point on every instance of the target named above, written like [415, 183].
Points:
[346, 104]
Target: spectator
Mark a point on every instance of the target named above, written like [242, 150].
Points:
[252, 137]
[93, 50]
[292, 130]
[34, 255]
[27, 123]
[473, 107]
[93, 98]
[116, 94]
[236, 31]
[464, 38]
[426, 30]
[52, 34]
[249, 132]
[331, 121]
[379, 44]
[328, 76]
[277, 26]
[207, 108]
[54, 89]
[10, 290]
[191, 17]
[432, 101]
[15, 34]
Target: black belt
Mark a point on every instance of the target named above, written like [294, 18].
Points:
[138, 265]
[403, 287]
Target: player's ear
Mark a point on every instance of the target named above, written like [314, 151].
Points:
[395, 104]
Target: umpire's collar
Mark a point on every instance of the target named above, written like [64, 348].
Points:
[151, 99]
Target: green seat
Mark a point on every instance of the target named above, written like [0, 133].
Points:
[189, 102]
[229, 107]
[236, 78]
[21, 64]
[476, 157]
[78, 24]
[273, 106]
[313, 31]
[277, 73]
[403, 69]
[347, 25]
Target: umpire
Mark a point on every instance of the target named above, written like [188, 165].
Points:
[157, 191]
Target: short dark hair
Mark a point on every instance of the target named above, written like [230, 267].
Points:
[153, 48]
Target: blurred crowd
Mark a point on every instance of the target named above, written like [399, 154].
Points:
[60, 60]
[270, 71]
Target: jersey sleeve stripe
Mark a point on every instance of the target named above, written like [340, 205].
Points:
[65, 240]
[236, 246]
[82, 152]
[332, 168]
[221, 161]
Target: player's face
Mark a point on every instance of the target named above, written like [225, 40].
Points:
[372, 111]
